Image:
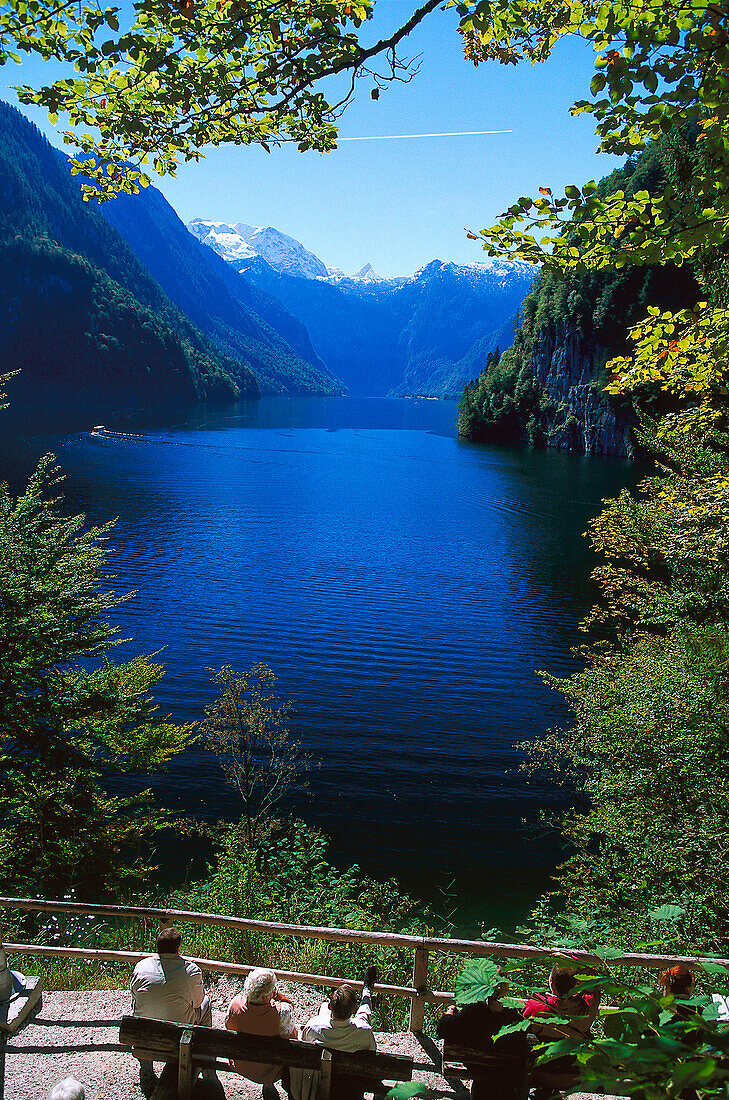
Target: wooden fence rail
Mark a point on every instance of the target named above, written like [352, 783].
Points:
[421, 946]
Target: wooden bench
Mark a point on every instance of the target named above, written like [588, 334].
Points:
[459, 1062]
[197, 1048]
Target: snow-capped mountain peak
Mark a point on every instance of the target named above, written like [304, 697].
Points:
[223, 239]
[368, 274]
[243, 242]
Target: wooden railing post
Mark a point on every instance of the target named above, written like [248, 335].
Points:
[420, 985]
[324, 1090]
[185, 1073]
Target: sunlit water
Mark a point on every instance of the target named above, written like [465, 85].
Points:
[404, 586]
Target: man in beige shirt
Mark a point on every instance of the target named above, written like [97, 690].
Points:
[166, 986]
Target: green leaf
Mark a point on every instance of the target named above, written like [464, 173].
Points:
[714, 968]
[405, 1089]
[607, 953]
[670, 913]
[476, 981]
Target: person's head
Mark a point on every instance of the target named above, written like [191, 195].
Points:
[259, 986]
[561, 980]
[344, 1001]
[677, 980]
[69, 1089]
[168, 941]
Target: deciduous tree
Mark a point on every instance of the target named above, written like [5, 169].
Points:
[158, 85]
[247, 728]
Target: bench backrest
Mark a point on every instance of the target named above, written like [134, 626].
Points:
[375, 1065]
[163, 1039]
[487, 1059]
[491, 1063]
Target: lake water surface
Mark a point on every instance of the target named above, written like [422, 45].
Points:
[403, 585]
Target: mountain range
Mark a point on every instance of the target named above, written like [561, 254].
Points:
[421, 334]
[119, 303]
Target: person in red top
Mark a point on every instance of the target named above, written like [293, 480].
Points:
[261, 1010]
[581, 1008]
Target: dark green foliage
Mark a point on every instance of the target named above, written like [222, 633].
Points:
[648, 1045]
[69, 717]
[592, 310]
[505, 404]
[289, 878]
[78, 313]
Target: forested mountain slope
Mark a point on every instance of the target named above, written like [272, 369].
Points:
[548, 389]
[79, 315]
[243, 321]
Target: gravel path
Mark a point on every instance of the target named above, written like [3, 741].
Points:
[76, 1034]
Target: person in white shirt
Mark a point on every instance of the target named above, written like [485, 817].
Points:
[340, 1024]
[166, 986]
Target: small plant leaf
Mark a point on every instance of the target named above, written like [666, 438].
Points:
[476, 981]
[667, 913]
[405, 1090]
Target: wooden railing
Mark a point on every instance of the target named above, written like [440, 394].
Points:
[418, 992]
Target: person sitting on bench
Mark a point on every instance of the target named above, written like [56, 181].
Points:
[581, 1008]
[679, 982]
[261, 1009]
[168, 987]
[474, 1026]
[340, 1024]
[344, 1022]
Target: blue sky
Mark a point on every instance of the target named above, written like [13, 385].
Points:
[400, 204]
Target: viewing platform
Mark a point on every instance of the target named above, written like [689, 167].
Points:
[77, 1032]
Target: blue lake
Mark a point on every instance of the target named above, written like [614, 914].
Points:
[404, 586]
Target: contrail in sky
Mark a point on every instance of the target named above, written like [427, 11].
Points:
[399, 137]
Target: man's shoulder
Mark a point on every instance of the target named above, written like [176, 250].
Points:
[148, 965]
[316, 1023]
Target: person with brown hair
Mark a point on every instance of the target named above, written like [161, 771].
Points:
[166, 986]
[582, 1008]
[677, 980]
[344, 1021]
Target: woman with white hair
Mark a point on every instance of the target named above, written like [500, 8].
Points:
[261, 1009]
[68, 1089]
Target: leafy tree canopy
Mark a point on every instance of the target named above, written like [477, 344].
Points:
[156, 86]
[660, 68]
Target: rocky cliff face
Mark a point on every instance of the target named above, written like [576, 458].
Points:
[581, 417]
